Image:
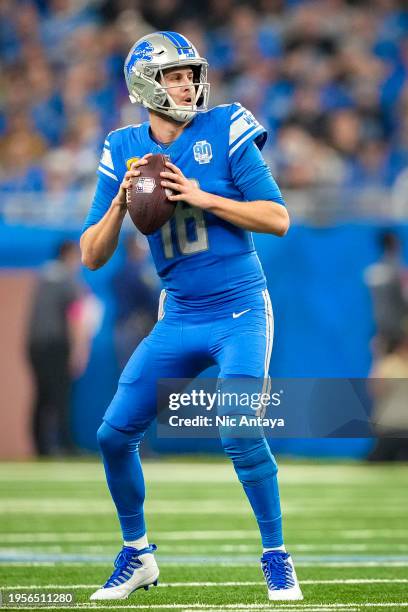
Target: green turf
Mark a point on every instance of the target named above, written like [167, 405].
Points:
[343, 522]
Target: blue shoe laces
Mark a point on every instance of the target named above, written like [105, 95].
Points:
[277, 570]
[125, 564]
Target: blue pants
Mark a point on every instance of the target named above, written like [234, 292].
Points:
[238, 338]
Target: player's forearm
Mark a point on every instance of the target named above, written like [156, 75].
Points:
[259, 216]
[98, 242]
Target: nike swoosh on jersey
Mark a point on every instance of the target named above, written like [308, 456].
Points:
[235, 315]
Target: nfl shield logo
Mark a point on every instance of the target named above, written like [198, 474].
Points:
[202, 152]
[145, 184]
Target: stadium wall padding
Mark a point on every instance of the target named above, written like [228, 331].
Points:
[323, 318]
[15, 380]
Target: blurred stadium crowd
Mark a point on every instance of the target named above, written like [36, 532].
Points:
[328, 78]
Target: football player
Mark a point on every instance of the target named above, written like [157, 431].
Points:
[215, 306]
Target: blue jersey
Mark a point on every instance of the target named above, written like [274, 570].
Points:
[201, 259]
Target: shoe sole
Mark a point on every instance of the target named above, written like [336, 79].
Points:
[145, 587]
[285, 596]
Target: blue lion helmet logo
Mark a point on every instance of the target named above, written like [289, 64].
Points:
[143, 51]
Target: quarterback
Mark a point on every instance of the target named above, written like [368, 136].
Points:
[215, 307]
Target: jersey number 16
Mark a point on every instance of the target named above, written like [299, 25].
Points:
[185, 215]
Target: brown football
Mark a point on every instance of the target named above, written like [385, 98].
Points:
[147, 202]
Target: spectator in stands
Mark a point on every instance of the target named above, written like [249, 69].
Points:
[21, 150]
[47, 110]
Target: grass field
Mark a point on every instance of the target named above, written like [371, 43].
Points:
[346, 526]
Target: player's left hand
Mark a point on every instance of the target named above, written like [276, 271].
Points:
[186, 190]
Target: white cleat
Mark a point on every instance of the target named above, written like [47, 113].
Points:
[280, 576]
[134, 569]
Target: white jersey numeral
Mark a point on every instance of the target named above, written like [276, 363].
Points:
[183, 214]
[167, 243]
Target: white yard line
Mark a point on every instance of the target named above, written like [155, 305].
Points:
[372, 533]
[313, 563]
[213, 584]
[205, 549]
[221, 534]
[237, 606]
[218, 548]
[72, 536]
[271, 607]
[219, 471]
[213, 506]
[346, 548]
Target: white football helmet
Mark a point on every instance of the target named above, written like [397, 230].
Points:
[144, 66]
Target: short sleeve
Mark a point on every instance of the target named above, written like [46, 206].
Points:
[243, 129]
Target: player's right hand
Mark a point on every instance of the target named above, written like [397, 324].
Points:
[126, 183]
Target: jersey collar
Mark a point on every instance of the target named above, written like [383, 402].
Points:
[178, 145]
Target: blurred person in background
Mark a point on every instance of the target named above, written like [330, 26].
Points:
[388, 282]
[136, 292]
[389, 387]
[57, 347]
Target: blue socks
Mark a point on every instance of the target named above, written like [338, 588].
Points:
[124, 475]
[252, 459]
[257, 471]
